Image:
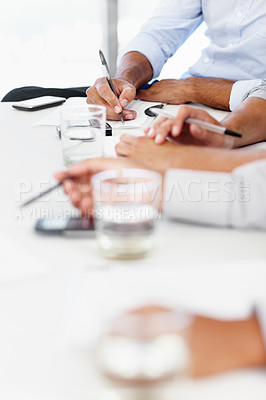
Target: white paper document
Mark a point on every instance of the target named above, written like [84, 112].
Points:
[141, 121]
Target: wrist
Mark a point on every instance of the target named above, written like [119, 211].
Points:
[212, 92]
[135, 68]
[193, 90]
[127, 76]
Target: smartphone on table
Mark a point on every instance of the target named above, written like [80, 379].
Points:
[39, 103]
[64, 225]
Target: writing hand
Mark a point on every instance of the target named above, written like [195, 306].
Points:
[101, 93]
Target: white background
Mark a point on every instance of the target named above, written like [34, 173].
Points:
[54, 43]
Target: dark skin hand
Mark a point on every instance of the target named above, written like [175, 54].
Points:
[211, 92]
[133, 72]
[100, 93]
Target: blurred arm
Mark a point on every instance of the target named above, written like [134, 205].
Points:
[218, 346]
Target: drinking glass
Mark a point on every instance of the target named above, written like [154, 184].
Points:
[82, 132]
[126, 204]
[146, 346]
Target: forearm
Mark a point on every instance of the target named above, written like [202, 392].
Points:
[211, 92]
[135, 68]
[212, 159]
[250, 120]
[228, 160]
[218, 346]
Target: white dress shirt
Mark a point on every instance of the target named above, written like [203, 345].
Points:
[236, 29]
[241, 90]
[223, 199]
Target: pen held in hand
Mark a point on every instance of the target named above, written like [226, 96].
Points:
[57, 185]
[109, 79]
[205, 125]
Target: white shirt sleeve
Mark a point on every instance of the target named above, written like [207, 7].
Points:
[244, 89]
[170, 25]
[233, 200]
[261, 316]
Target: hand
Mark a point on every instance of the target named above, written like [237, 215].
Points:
[188, 134]
[79, 189]
[171, 91]
[144, 152]
[101, 93]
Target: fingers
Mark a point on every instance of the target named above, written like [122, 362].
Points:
[123, 149]
[165, 127]
[105, 92]
[86, 168]
[127, 139]
[128, 94]
[185, 112]
[160, 129]
[79, 189]
[129, 114]
[209, 138]
[101, 93]
[80, 194]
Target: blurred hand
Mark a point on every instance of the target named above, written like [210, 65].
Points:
[177, 129]
[100, 93]
[79, 188]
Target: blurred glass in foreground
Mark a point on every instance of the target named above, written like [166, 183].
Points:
[145, 352]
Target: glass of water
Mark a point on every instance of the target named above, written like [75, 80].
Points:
[126, 204]
[82, 132]
[146, 345]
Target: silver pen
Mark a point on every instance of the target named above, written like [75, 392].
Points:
[109, 79]
[205, 125]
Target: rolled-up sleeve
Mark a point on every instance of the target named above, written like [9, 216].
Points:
[230, 200]
[170, 25]
[241, 90]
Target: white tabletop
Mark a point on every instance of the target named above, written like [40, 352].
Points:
[35, 290]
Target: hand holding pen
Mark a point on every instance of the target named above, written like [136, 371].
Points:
[193, 126]
[115, 100]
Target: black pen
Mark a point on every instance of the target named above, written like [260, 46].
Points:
[57, 185]
[109, 79]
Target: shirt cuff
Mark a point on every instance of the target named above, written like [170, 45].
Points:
[260, 310]
[196, 196]
[244, 89]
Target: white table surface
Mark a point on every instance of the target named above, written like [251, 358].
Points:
[32, 364]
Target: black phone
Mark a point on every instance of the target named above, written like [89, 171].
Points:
[39, 103]
[64, 225]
